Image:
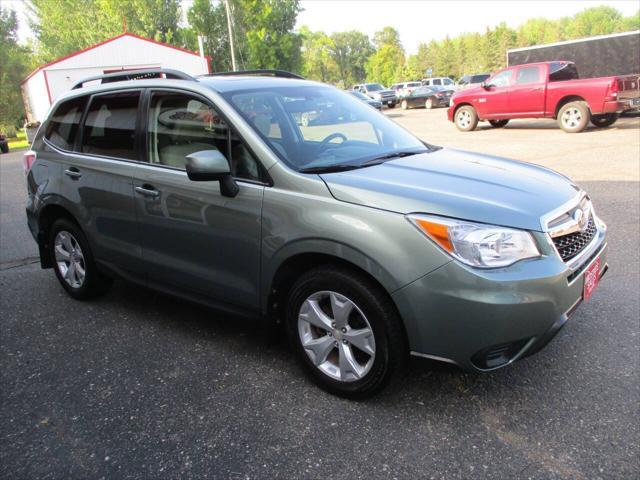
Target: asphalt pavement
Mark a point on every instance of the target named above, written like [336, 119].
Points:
[141, 385]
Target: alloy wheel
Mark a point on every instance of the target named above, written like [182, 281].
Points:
[70, 260]
[336, 336]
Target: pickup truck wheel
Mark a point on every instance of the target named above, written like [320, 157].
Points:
[346, 331]
[428, 104]
[605, 120]
[73, 262]
[574, 117]
[392, 105]
[466, 118]
[404, 105]
[498, 123]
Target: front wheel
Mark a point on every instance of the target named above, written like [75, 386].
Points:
[498, 123]
[466, 118]
[404, 105]
[73, 261]
[346, 331]
[604, 120]
[574, 117]
[392, 105]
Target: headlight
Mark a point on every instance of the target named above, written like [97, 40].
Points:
[377, 96]
[477, 244]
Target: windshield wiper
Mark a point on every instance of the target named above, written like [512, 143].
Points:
[339, 167]
[389, 156]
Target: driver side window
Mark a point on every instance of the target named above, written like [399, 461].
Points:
[502, 79]
[180, 124]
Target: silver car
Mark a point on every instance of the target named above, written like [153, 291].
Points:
[358, 241]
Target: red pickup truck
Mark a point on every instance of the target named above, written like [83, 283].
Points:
[545, 90]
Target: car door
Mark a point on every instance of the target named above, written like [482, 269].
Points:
[526, 95]
[97, 178]
[493, 100]
[193, 238]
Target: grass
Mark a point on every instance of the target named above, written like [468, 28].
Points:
[19, 141]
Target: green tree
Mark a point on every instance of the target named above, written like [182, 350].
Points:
[350, 51]
[210, 20]
[317, 61]
[386, 65]
[15, 64]
[62, 27]
[594, 21]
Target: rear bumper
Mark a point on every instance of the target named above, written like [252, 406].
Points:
[620, 105]
[484, 320]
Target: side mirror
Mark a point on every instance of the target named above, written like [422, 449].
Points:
[211, 165]
[486, 85]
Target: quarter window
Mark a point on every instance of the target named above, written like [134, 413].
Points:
[109, 128]
[63, 126]
[180, 125]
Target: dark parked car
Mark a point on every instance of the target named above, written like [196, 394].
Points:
[4, 144]
[427, 97]
[377, 104]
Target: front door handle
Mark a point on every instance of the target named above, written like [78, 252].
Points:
[148, 191]
[72, 172]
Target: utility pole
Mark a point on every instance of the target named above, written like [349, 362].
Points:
[233, 54]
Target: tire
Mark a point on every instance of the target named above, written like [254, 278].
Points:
[66, 241]
[428, 104]
[4, 148]
[371, 310]
[604, 120]
[498, 123]
[404, 105]
[574, 117]
[466, 118]
[392, 105]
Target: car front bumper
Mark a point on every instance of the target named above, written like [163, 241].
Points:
[482, 320]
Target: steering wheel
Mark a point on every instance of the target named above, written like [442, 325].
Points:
[325, 143]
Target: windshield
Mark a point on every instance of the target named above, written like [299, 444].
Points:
[315, 127]
[374, 87]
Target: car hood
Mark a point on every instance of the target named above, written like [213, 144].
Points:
[457, 184]
[383, 92]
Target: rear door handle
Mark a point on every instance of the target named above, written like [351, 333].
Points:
[72, 172]
[148, 191]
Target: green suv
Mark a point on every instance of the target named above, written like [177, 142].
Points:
[364, 243]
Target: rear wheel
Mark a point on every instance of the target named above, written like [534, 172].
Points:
[498, 123]
[346, 331]
[73, 262]
[574, 117]
[404, 105]
[604, 120]
[428, 104]
[466, 118]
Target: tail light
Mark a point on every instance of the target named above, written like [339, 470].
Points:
[439, 95]
[612, 91]
[28, 160]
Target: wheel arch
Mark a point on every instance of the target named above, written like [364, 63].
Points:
[568, 99]
[283, 272]
[47, 216]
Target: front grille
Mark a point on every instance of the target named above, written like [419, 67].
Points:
[571, 245]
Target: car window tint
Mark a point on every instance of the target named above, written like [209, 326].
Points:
[437, 82]
[559, 72]
[180, 125]
[502, 79]
[63, 126]
[528, 75]
[447, 81]
[109, 128]
[479, 78]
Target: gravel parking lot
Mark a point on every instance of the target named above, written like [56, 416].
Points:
[139, 385]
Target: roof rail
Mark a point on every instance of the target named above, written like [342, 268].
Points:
[136, 75]
[273, 73]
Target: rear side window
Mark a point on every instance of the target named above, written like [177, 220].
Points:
[437, 82]
[528, 75]
[64, 125]
[559, 72]
[109, 128]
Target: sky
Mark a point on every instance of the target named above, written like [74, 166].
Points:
[413, 19]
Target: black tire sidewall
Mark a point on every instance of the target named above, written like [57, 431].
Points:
[604, 120]
[372, 303]
[94, 282]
